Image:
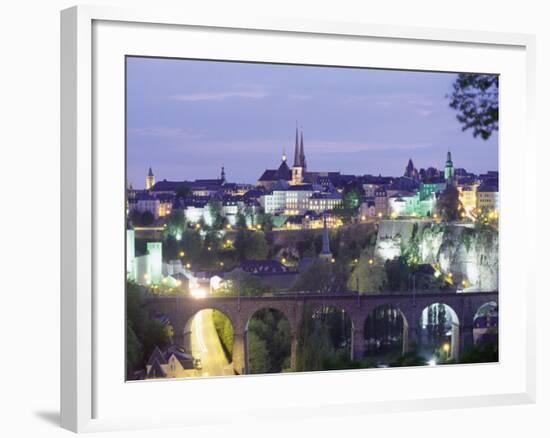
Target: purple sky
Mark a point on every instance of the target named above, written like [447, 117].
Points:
[187, 118]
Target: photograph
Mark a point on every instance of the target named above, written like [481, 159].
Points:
[285, 218]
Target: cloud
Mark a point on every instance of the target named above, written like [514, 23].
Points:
[251, 92]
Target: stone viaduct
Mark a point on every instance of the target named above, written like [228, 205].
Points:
[181, 310]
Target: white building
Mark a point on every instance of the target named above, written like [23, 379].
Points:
[291, 201]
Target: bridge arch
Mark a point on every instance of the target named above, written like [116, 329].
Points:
[270, 342]
[208, 334]
[485, 323]
[341, 323]
[439, 332]
[386, 332]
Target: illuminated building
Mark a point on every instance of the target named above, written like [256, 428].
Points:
[468, 197]
[449, 170]
[320, 202]
[487, 196]
[299, 168]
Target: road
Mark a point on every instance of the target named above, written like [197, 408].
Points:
[205, 344]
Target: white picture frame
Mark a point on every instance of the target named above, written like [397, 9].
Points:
[82, 171]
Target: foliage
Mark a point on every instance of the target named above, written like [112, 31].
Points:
[258, 360]
[323, 276]
[270, 351]
[148, 331]
[398, 274]
[134, 352]
[224, 329]
[251, 245]
[324, 336]
[147, 218]
[384, 326]
[475, 97]
[214, 209]
[480, 353]
[409, 359]
[243, 284]
[183, 191]
[368, 276]
[449, 206]
[175, 224]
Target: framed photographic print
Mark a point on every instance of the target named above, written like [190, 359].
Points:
[318, 209]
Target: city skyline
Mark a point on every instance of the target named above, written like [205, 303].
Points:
[377, 119]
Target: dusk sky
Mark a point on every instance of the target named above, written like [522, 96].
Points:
[188, 118]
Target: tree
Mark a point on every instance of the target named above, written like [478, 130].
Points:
[369, 276]
[147, 218]
[475, 97]
[143, 332]
[251, 245]
[449, 206]
[323, 276]
[134, 352]
[183, 191]
[258, 356]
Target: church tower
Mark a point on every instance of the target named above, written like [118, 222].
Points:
[325, 252]
[449, 170]
[299, 167]
[222, 176]
[149, 179]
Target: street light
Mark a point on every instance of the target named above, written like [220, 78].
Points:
[446, 349]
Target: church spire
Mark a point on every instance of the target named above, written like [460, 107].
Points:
[302, 154]
[325, 252]
[149, 179]
[223, 174]
[296, 150]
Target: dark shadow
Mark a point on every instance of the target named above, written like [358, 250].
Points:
[52, 417]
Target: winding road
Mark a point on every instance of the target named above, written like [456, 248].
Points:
[206, 345]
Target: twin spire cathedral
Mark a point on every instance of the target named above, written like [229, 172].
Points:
[299, 168]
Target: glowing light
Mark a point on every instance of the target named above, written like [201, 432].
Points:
[379, 214]
[432, 362]
[228, 227]
[221, 263]
[197, 226]
[198, 293]
[178, 236]
[182, 253]
[188, 265]
[363, 218]
[371, 261]
[446, 348]
[283, 260]
[333, 260]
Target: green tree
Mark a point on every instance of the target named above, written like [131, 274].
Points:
[258, 357]
[183, 191]
[251, 245]
[147, 218]
[148, 331]
[368, 276]
[449, 206]
[134, 352]
[475, 97]
[323, 276]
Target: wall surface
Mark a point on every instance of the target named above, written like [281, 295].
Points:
[29, 105]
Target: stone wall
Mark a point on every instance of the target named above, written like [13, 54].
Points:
[466, 252]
